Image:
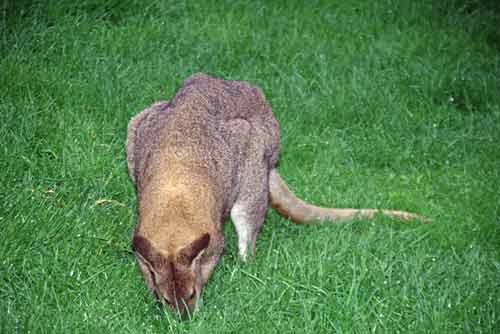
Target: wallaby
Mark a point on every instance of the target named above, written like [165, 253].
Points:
[209, 152]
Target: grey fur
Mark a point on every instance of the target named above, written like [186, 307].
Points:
[225, 127]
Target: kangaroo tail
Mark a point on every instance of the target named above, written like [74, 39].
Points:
[290, 206]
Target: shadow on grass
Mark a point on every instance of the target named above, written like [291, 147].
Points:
[19, 13]
[486, 11]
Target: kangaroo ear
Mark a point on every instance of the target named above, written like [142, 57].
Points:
[143, 247]
[147, 253]
[191, 251]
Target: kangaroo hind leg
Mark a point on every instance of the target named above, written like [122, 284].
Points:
[247, 224]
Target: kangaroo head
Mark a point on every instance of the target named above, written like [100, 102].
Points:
[175, 277]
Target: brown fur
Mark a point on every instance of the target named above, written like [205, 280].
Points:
[208, 153]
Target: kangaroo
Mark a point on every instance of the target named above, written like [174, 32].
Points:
[208, 153]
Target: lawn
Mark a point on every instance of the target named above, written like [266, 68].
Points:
[390, 104]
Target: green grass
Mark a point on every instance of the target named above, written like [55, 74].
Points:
[392, 104]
